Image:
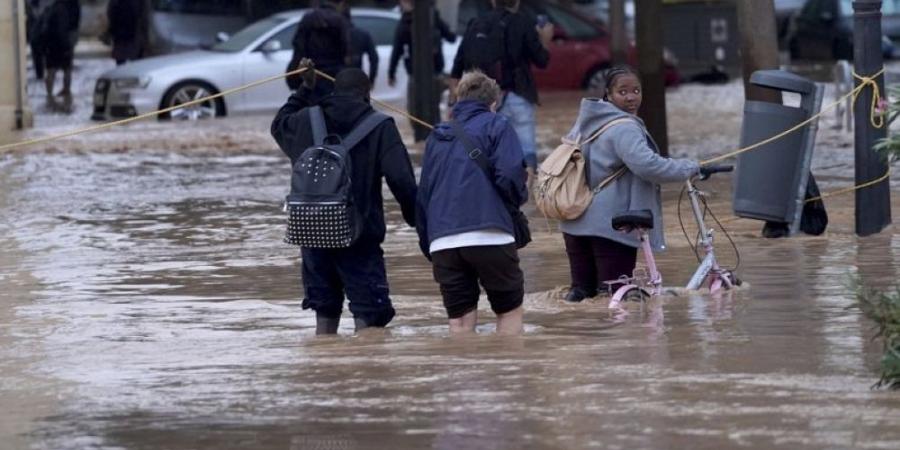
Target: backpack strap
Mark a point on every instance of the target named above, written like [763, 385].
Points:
[475, 153]
[605, 128]
[317, 121]
[481, 159]
[608, 180]
[620, 171]
[361, 130]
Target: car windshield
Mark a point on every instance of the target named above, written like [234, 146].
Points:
[248, 35]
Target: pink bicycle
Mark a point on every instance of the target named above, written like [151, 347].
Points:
[644, 283]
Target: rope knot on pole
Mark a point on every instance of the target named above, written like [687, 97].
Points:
[876, 115]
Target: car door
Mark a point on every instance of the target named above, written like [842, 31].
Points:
[572, 52]
[259, 64]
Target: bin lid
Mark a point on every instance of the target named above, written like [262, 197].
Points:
[783, 81]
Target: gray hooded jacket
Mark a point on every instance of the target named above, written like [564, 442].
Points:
[630, 145]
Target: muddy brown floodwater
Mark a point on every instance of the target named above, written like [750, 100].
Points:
[147, 302]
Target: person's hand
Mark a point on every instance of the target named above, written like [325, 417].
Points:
[309, 75]
[392, 82]
[545, 33]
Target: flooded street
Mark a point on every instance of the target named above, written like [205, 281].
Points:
[149, 303]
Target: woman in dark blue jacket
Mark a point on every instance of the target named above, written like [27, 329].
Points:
[463, 224]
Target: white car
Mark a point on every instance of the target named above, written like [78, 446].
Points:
[261, 50]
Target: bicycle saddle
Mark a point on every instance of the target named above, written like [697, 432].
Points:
[641, 219]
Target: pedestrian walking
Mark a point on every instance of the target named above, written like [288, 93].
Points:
[504, 44]
[358, 270]
[596, 252]
[33, 15]
[58, 35]
[403, 49]
[462, 208]
[127, 25]
[361, 43]
[323, 36]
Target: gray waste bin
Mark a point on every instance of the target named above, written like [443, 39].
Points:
[770, 182]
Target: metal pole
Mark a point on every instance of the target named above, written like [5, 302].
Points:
[617, 30]
[649, 31]
[17, 54]
[425, 105]
[873, 204]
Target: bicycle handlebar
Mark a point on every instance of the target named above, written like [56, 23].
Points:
[707, 171]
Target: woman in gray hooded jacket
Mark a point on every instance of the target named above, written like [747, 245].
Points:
[597, 253]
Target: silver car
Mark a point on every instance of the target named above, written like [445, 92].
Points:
[261, 50]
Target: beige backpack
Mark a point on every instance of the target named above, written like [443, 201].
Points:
[561, 190]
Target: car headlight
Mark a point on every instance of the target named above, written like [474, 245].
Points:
[131, 83]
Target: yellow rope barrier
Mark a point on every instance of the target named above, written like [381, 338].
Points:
[876, 118]
[149, 114]
[387, 106]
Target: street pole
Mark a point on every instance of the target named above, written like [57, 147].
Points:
[649, 31]
[759, 45]
[618, 33]
[873, 204]
[424, 92]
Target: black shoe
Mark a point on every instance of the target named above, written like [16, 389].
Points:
[577, 295]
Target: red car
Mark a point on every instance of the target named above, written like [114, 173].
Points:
[580, 50]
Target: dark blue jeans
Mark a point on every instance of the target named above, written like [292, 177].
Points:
[357, 271]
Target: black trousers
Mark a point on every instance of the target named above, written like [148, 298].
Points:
[593, 260]
[358, 272]
[496, 267]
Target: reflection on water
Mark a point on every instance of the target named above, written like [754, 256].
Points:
[149, 303]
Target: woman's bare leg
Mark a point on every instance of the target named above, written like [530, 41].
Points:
[465, 324]
[509, 324]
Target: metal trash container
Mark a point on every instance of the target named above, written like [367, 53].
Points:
[770, 181]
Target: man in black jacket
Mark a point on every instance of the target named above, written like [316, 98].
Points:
[526, 44]
[403, 48]
[359, 269]
[127, 23]
[361, 43]
[323, 36]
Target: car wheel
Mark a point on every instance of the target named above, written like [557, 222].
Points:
[595, 82]
[189, 91]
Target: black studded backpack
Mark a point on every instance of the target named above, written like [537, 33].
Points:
[321, 210]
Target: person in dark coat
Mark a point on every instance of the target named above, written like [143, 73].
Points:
[357, 271]
[403, 48]
[361, 43]
[33, 13]
[323, 36]
[526, 45]
[463, 224]
[127, 24]
[59, 34]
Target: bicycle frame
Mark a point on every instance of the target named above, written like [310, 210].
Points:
[709, 266]
[655, 281]
[707, 270]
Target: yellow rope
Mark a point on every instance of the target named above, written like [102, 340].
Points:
[149, 114]
[875, 117]
[864, 83]
[886, 175]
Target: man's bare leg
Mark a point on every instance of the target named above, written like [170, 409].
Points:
[465, 324]
[510, 324]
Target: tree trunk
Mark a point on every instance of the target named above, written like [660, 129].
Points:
[651, 66]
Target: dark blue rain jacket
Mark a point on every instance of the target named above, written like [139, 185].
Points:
[455, 196]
